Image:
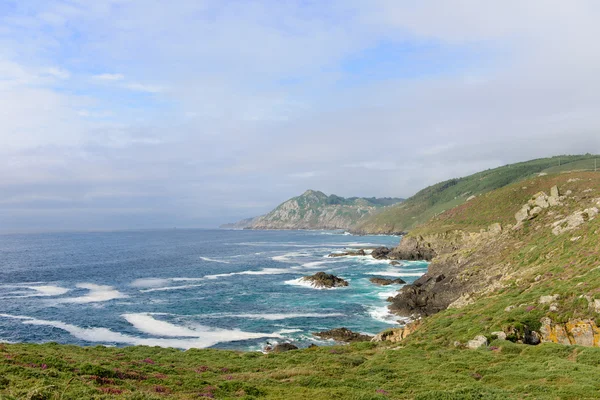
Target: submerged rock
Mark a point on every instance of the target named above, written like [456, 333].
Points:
[324, 280]
[386, 282]
[343, 335]
[360, 252]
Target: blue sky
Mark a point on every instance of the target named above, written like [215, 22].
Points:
[146, 114]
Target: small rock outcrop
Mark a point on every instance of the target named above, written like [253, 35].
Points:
[360, 252]
[386, 282]
[343, 335]
[540, 201]
[282, 347]
[324, 280]
[477, 342]
[396, 335]
[574, 220]
[582, 332]
[381, 253]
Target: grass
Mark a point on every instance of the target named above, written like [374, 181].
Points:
[427, 365]
[433, 200]
[361, 371]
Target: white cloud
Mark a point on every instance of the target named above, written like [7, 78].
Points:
[109, 77]
[139, 87]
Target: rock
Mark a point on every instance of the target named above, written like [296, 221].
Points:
[509, 308]
[582, 332]
[386, 282]
[395, 263]
[548, 299]
[380, 253]
[534, 212]
[343, 335]
[477, 342]
[413, 249]
[553, 307]
[396, 335]
[500, 335]
[324, 280]
[471, 198]
[282, 347]
[462, 301]
[522, 214]
[360, 252]
[539, 200]
[554, 192]
[495, 229]
[312, 346]
[574, 220]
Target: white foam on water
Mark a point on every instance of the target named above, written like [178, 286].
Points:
[48, 290]
[264, 271]
[287, 257]
[149, 282]
[97, 293]
[205, 337]
[383, 314]
[168, 288]
[386, 294]
[304, 283]
[214, 260]
[287, 331]
[276, 317]
[145, 322]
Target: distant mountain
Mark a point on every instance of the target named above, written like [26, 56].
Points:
[316, 210]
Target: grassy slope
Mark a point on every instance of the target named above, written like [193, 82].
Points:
[435, 199]
[425, 366]
[538, 262]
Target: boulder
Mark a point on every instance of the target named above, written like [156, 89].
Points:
[386, 282]
[322, 280]
[500, 335]
[395, 263]
[548, 299]
[282, 347]
[477, 342]
[381, 253]
[396, 335]
[343, 335]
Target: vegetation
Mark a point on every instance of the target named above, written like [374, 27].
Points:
[530, 262]
[443, 196]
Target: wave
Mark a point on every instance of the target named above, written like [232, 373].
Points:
[383, 314]
[310, 285]
[39, 291]
[214, 260]
[167, 288]
[264, 271]
[149, 282]
[203, 336]
[97, 293]
[275, 316]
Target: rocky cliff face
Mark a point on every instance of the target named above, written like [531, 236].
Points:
[316, 210]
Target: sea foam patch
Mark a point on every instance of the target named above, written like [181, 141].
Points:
[215, 260]
[149, 282]
[203, 338]
[96, 293]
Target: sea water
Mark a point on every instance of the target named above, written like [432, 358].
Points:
[190, 288]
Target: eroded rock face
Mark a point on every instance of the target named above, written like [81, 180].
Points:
[583, 332]
[539, 202]
[381, 253]
[343, 335]
[574, 220]
[396, 335]
[324, 280]
[386, 282]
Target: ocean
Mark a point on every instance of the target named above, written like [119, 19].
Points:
[226, 289]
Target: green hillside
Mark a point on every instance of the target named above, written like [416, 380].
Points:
[443, 196]
[510, 269]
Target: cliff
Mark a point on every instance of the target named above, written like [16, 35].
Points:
[316, 210]
[521, 262]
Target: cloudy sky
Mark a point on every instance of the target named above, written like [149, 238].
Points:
[147, 114]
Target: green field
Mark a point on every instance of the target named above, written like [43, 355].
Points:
[443, 196]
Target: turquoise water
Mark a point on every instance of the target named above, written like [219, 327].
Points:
[189, 288]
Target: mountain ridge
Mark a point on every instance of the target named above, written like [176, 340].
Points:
[314, 209]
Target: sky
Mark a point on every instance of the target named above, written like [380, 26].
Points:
[140, 114]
